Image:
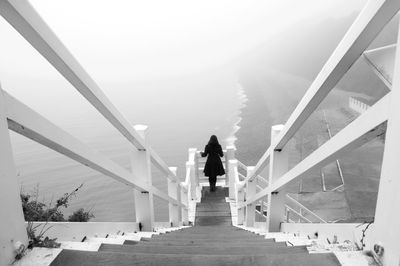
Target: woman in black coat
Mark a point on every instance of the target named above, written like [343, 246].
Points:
[213, 167]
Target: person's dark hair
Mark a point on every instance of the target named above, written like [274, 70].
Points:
[213, 140]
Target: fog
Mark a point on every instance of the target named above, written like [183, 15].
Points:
[173, 65]
[136, 42]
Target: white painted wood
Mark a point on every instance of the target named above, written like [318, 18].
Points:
[142, 234]
[196, 168]
[371, 20]
[76, 231]
[185, 191]
[24, 18]
[12, 229]
[130, 237]
[38, 257]
[103, 240]
[304, 208]
[30, 124]
[229, 155]
[231, 172]
[250, 208]
[141, 168]
[85, 246]
[192, 176]
[366, 127]
[279, 165]
[260, 166]
[239, 193]
[368, 24]
[386, 227]
[173, 187]
[381, 61]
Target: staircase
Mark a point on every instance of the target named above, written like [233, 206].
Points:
[212, 241]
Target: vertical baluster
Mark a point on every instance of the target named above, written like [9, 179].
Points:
[193, 172]
[12, 228]
[141, 168]
[250, 191]
[229, 179]
[185, 199]
[173, 193]
[239, 191]
[276, 200]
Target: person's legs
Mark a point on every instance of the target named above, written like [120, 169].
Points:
[210, 181]
[213, 180]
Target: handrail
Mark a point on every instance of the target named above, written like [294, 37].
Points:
[353, 44]
[27, 122]
[301, 206]
[242, 165]
[185, 184]
[297, 213]
[24, 18]
[261, 164]
[263, 179]
[355, 134]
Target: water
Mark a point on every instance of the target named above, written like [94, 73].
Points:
[181, 113]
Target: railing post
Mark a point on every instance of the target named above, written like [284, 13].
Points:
[276, 200]
[386, 230]
[250, 208]
[185, 199]
[173, 193]
[141, 167]
[230, 178]
[13, 228]
[239, 192]
[194, 173]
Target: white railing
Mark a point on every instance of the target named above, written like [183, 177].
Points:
[293, 205]
[369, 125]
[20, 118]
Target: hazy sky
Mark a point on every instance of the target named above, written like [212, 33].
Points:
[138, 40]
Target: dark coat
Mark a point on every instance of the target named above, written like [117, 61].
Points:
[213, 165]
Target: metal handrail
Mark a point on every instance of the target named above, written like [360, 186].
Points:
[301, 206]
[297, 213]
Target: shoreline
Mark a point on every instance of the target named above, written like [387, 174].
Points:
[242, 98]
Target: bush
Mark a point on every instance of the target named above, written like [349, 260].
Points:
[37, 211]
[80, 216]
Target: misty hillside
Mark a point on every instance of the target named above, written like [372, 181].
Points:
[276, 75]
[303, 50]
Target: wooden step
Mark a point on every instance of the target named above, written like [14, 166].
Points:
[207, 243]
[222, 241]
[214, 250]
[80, 258]
[208, 236]
[203, 220]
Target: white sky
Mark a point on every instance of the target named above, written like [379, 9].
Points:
[135, 40]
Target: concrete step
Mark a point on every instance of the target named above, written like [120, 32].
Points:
[142, 234]
[117, 241]
[86, 246]
[195, 250]
[131, 237]
[80, 258]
